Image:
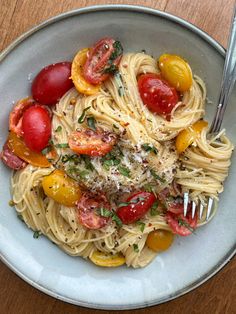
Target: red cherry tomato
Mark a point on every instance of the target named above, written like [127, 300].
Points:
[138, 205]
[157, 94]
[52, 82]
[103, 58]
[182, 225]
[88, 207]
[36, 125]
[15, 118]
[93, 143]
[10, 159]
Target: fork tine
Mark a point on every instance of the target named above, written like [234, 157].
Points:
[201, 210]
[193, 209]
[185, 203]
[209, 208]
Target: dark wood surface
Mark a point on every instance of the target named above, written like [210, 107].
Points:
[217, 295]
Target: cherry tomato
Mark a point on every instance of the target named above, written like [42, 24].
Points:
[107, 260]
[51, 83]
[81, 84]
[176, 72]
[10, 159]
[182, 225]
[15, 118]
[18, 147]
[88, 208]
[92, 143]
[103, 59]
[138, 206]
[159, 240]
[61, 188]
[36, 126]
[157, 94]
[187, 136]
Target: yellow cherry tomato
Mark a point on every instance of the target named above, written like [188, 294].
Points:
[176, 72]
[107, 260]
[187, 136]
[159, 240]
[80, 83]
[17, 145]
[61, 188]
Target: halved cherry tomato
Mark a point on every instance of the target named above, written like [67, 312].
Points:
[182, 225]
[88, 208]
[10, 159]
[138, 206]
[18, 147]
[93, 143]
[107, 260]
[78, 79]
[157, 94]
[159, 240]
[176, 72]
[103, 59]
[51, 83]
[61, 188]
[36, 126]
[187, 136]
[15, 118]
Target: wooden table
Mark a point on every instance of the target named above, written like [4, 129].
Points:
[218, 295]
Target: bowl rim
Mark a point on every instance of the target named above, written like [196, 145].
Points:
[130, 8]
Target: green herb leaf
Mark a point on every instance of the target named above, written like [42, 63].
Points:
[59, 128]
[156, 176]
[50, 142]
[116, 219]
[91, 123]
[105, 212]
[46, 150]
[117, 51]
[36, 234]
[149, 148]
[154, 210]
[111, 69]
[87, 161]
[123, 204]
[183, 223]
[82, 117]
[62, 145]
[141, 224]
[148, 187]
[135, 247]
[124, 171]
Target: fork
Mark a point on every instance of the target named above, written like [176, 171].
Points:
[228, 80]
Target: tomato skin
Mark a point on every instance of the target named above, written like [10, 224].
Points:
[51, 83]
[36, 126]
[159, 240]
[157, 94]
[134, 211]
[92, 143]
[15, 118]
[98, 60]
[61, 188]
[87, 207]
[174, 219]
[10, 159]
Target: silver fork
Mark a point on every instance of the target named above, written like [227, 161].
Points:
[228, 80]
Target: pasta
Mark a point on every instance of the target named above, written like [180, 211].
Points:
[118, 108]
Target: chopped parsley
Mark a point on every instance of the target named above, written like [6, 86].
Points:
[111, 69]
[105, 212]
[156, 176]
[62, 145]
[183, 223]
[141, 224]
[149, 148]
[110, 213]
[87, 161]
[36, 234]
[91, 123]
[154, 210]
[148, 187]
[111, 159]
[124, 171]
[135, 248]
[59, 128]
[82, 117]
[46, 150]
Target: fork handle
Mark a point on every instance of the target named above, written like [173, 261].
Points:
[228, 79]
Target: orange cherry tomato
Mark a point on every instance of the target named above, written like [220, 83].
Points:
[176, 72]
[187, 136]
[15, 118]
[79, 81]
[18, 147]
[159, 240]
